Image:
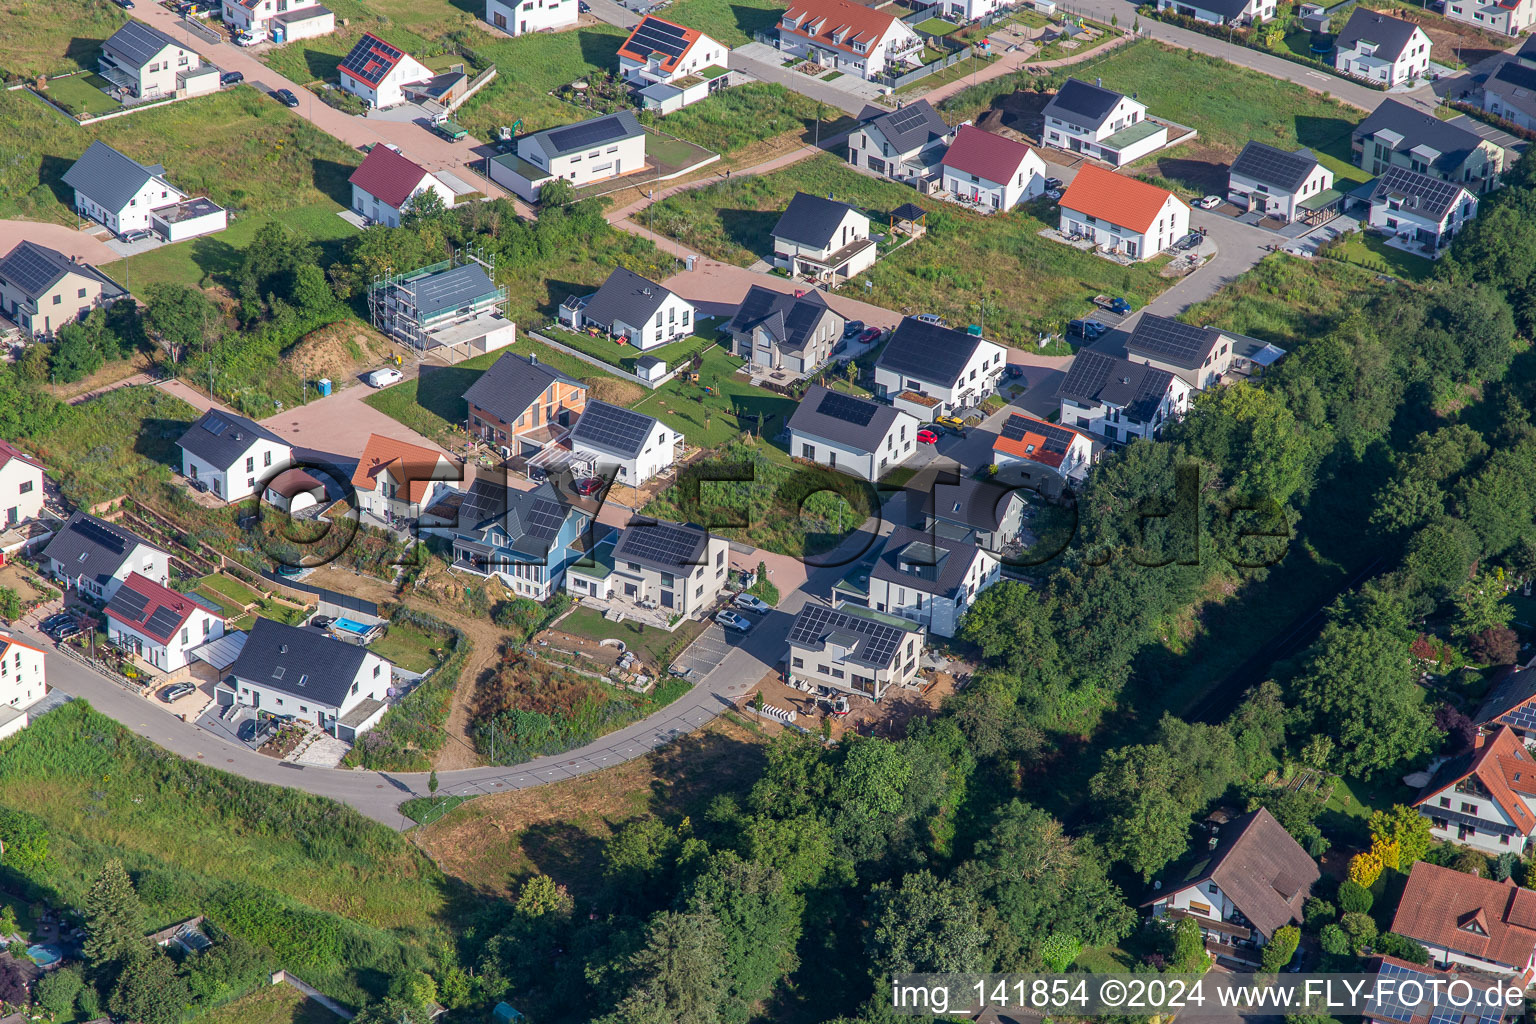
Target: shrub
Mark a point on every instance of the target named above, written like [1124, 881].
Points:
[1334, 941]
[1365, 868]
[1360, 929]
[1355, 898]
[1319, 912]
[1393, 944]
[1280, 948]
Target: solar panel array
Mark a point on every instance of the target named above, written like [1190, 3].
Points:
[585, 134]
[1163, 336]
[906, 119]
[130, 603]
[1392, 1008]
[544, 520]
[1522, 717]
[100, 536]
[164, 621]
[847, 408]
[215, 424]
[1427, 193]
[612, 427]
[1056, 438]
[815, 621]
[31, 268]
[661, 543]
[371, 59]
[486, 499]
[653, 35]
[1275, 166]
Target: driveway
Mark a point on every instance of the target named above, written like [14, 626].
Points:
[707, 652]
[69, 241]
[769, 70]
[341, 423]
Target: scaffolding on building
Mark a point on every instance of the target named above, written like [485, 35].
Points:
[437, 312]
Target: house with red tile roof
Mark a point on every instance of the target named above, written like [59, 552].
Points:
[159, 625]
[377, 72]
[21, 486]
[1121, 214]
[1029, 447]
[1485, 798]
[849, 37]
[661, 51]
[395, 480]
[519, 17]
[385, 183]
[1469, 921]
[992, 171]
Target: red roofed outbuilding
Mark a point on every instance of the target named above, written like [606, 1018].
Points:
[992, 171]
[1122, 214]
[386, 182]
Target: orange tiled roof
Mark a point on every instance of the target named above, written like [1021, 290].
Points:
[833, 16]
[1032, 444]
[1503, 767]
[1115, 198]
[402, 460]
[643, 53]
[1477, 916]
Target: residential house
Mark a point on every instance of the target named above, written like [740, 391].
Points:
[624, 446]
[94, 557]
[385, 184]
[395, 480]
[991, 514]
[1512, 703]
[1221, 12]
[598, 149]
[519, 17]
[853, 650]
[664, 52]
[1399, 984]
[1419, 209]
[1276, 182]
[968, 10]
[281, 21]
[377, 73]
[628, 306]
[822, 240]
[927, 576]
[777, 331]
[992, 171]
[933, 371]
[1101, 123]
[1250, 880]
[1510, 92]
[21, 486]
[676, 567]
[295, 490]
[864, 438]
[23, 682]
[1468, 921]
[145, 62]
[1380, 48]
[1485, 798]
[1121, 214]
[156, 623]
[41, 289]
[1120, 399]
[1033, 451]
[849, 37]
[452, 312]
[1397, 135]
[905, 144]
[292, 671]
[1199, 355]
[526, 539]
[130, 197]
[232, 455]
[521, 405]
[1504, 17]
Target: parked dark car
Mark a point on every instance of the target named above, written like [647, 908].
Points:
[1086, 329]
[852, 329]
[171, 694]
[232, 78]
[64, 632]
[126, 5]
[1051, 183]
[286, 97]
[55, 621]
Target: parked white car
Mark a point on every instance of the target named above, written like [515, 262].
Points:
[1210, 202]
[250, 39]
[751, 603]
[382, 378]
[731, 620]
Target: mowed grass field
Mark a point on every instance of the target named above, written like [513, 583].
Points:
[245, 151]
[1029, 284]
[1228, 105]
[50, 37]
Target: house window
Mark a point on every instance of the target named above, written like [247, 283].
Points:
[1467, 808]
[797, 663]
[1445, 801]
[266, 460]
[354, 687]
[376, 671]
[25, 488]
[250, 463]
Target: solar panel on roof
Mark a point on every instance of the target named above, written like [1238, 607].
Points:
[545, 518]
[1389, 1008]
[163, 621]
[1056, 439]
[215, 425]
[847, 408]
[582, 135]
[907, 118]
[655, 36]
[369, 57]
[1272, 165]
[877, 641]
[666, 543]
[1163, 336]
[612, 427]
[30, 268]
[130, 603]
[99, 536]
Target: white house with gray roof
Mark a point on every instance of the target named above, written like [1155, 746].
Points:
[146, 63]
[622, 445]
[1398, 135]
[1276, 182]
[1510, 93]
[929, 577]
[41, 289]
[232, 455]
[904, 145]
[776, 331]
[130, 197]
[674, 568]
[855, 435]
[339, 687]
[1379, 48]
[822, 240]
[1120, 399]
[931, 371]
[95, 556]
[990, 514]
[634, 308]
[852, 649]
[600, 148]
[1221, 12]
[1101, 123]
[1420, 210]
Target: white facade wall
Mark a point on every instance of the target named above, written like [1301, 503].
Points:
[1254, 11]
[824, 668]
[939, 615]
[372, 681]
[850, 229]
[1172, 224]
[1494, 104]
[690, 596]
[261, 462]
[1061, 134]
[977, 380]
[1417, 227]
[1028, 182]
[1079, 456]
[23, 676]
[158, 76]
[899, 38]
[1261, 198]
[1362, 61]
[609, 160]
[134, 216]
[144, 560]
[705, 52]
[192, 227]
[673, 321]
[1097, 417]
[388, 93]
[895, 448]
[21, 493]
[526, 16]
[656, 456]
[259, 20]
[1509, 21]
[200, 627]
[377, 210]
[1204, 900]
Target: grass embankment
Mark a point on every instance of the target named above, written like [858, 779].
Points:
[53, 37]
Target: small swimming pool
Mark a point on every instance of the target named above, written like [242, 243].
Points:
[45, 956]
[348, 626]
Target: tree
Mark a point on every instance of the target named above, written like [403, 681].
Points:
[678, 973]
[312, 293]
[925, 925]
[13, 984]
[1334, 941]
[1189, 955]
[1252, 438]
[759, 923]
[1011, 622]
[557, 193]
[113, 917]
[76, 354]
[1360, 929]
[1143, 819]
[1280, 948]
[181, 317]
[1441, 554]
[424, 208]
[148, 990]
[1495, 647]
[1364, 869]
[10, 604]
[872, 778]
[541, 896]
[1393, 944]
[23, 835]
[1059, 951]
[1480, 606]
[56, 991]
[1354, 898]
[1318, 912]
[1406, 827]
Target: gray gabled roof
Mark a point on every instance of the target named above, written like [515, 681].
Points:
[856, 423]
[1391, 35]
[1417, 129]
[612, 430]
[912, 127]
[868, 637]
[138, 43]
[585, 135]
[923, 560]
[1169, 340]
[1418, 193]
[530, 520]
[92, 548]
[1515, 84]
[789, 319]
[222, 438]
[662, 545]
[1095, 377]
[1080, 103]
[977, 504]
[626, 297]
[811, 220]
[928, 352]
[36, 268]
[1279, 168]
[108, 177]
[449, 289]
[300, 661]
[512, 384]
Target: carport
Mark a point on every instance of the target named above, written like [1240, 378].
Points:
[210, 661]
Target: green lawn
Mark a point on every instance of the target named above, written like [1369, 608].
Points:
[276, 1004]
[739, 116]
[54, 37]
[229, 588]
[1370, 250]
[626, 356]
[82, 95]
[731, 22]
[935, 27]
[1286, 300]
[649, 641]
[1029, 283]
[409, 646]
[708, 420]
[960, 69]
[230, 609]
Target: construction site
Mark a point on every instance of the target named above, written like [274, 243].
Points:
[448, 312]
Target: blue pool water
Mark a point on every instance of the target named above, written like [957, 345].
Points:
[348, 626]
[44, 956]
